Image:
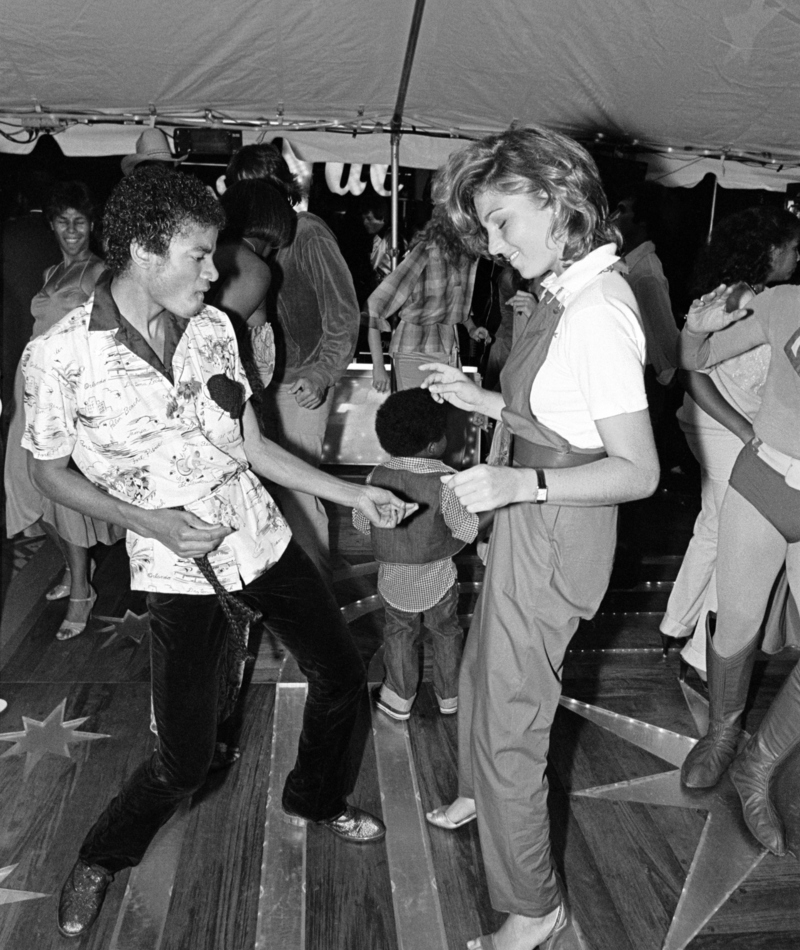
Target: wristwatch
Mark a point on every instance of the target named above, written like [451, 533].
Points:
[541, 491]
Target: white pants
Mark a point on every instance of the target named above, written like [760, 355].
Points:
[695, 590]
[302, 432]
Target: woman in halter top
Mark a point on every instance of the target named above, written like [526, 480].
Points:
[258, 220]
[66, 286]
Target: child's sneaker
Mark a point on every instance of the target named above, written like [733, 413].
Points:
[399, 714]
[448, 707]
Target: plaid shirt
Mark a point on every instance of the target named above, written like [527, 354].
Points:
[415, 587]
[431, 295]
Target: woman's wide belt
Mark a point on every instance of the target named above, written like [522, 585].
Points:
[526, 454]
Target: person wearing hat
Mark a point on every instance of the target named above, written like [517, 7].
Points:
[152, 147]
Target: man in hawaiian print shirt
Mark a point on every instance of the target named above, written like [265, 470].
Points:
[142, 388]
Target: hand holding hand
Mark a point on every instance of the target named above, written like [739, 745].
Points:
[710, 313]
[184, 533]
[445, 382]
[485, 487]
[382, 508]
[308, 394]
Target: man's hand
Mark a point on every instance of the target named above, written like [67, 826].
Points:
[308, 394]
[710, 312]
[480, 335]
[182, 532]
[382, 508]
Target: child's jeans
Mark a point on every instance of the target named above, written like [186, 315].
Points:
[401, 660]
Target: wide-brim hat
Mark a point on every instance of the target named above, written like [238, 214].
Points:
[151, 146]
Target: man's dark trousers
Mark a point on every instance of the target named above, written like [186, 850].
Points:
[188, 634]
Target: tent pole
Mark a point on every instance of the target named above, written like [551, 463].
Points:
[394, 251]
[397, 121]
[713, 210]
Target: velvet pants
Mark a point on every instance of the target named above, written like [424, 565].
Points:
[188, 634]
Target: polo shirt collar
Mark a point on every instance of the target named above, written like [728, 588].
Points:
[578, 275]
[106, 316]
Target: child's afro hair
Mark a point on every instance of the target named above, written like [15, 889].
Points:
[409, 420]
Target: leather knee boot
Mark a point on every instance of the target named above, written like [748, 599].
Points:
[751, 772]
[728, 683]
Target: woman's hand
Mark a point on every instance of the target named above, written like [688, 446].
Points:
[382, 508]
[445, 382]
[486, 487]
[380, 379]
[710, 313]
[522, 303]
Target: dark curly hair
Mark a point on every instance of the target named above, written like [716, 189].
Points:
[150, 207]
[266, 162]
[256, 208]
[532, 161]
[408, 421]
[66, 195]
[741, 248]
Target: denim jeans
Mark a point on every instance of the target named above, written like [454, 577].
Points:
[400, 635]
[188, 634]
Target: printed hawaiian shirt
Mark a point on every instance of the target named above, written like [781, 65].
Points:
[156, 435]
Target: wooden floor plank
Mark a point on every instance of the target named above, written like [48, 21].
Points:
[45, 818]
[216, 890]
[623, 864]
[456, 856]
[348, 890]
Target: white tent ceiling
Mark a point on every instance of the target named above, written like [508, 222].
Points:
[689, 80]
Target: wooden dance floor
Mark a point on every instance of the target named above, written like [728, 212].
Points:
[645, 865]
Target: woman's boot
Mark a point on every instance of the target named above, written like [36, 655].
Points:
[728, 683]
[751, 772]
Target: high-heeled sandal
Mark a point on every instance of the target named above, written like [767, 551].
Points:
[64, 586]
[72, 628]
[551, 942]
[61, 589]
[438, 817]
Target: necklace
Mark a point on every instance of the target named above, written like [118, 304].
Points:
[250, 245]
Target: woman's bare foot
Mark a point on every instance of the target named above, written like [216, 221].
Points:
[520, 933]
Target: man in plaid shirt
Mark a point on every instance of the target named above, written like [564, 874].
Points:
[431, 292]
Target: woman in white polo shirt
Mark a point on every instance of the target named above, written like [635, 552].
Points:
[573, 402]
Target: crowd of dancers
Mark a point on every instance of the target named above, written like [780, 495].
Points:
[167, 384]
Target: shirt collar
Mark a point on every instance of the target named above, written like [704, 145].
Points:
[578, 275]
[106, 316]
[414, 464]
[642, 250]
